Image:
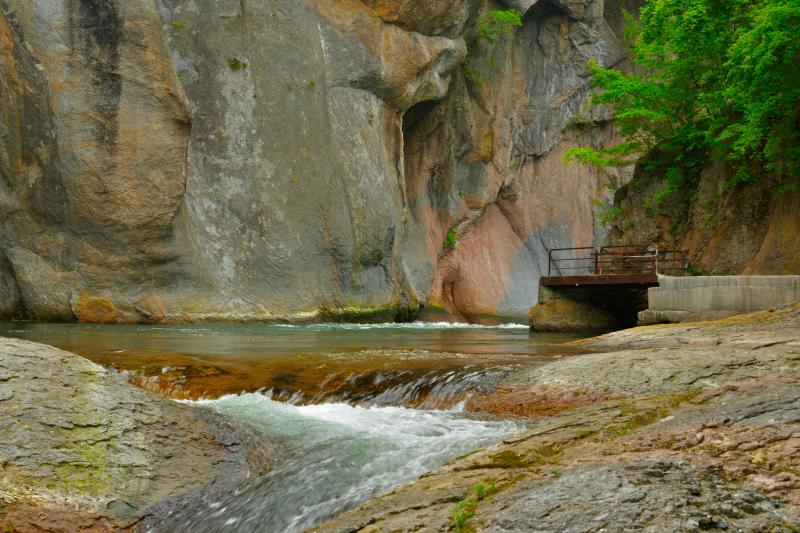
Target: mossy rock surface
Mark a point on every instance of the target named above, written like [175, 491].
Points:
[75, 434]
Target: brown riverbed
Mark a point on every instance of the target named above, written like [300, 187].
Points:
[426, 366]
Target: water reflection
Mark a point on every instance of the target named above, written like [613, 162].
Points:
[416, 365]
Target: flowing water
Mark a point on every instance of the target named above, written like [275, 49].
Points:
[353, 409]
[338, 456]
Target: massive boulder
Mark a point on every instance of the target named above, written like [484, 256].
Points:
[170, 160]
[84, 451]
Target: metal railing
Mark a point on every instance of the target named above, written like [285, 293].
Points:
[616, 260]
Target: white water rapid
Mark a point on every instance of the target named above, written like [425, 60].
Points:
[335, 456]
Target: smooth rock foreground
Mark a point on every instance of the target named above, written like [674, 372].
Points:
[673, 428]
[83, 451]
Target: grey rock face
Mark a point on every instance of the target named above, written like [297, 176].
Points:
[92, 161]
[651, 496]
[520, 199]
[189, 160]
[667, 370]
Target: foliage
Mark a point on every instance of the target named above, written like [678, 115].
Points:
[607, 212]
[471, 73]
[712, 79]
[466, 508]
[498, 23]
[579, 121]
[451, 240]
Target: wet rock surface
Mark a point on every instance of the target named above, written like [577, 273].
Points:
[666, 370]
[82, 450]
[700, 433]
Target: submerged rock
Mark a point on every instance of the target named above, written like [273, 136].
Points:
[82, 450]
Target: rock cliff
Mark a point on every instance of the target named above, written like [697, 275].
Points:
[728, 230]
[172, 160]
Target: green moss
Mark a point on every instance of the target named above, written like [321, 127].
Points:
[90, 472]
[677, 399]
[83, 480]
[235, 64]
[636, 414]
[432, 308]
[579, 121]
[547, 455]
[694, 271]
[23, 314]
[636, 418]
[508, 459]
[364, 315]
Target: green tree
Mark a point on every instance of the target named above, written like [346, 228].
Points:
[763, 88]
[497, 23]
[711, 79]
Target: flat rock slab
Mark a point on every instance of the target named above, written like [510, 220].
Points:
[751, 331]
[654, 496]
[665, 370]
[725, 459]
[75, 437]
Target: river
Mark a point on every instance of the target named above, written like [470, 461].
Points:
[353, 409]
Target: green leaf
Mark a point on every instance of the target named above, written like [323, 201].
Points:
[711, 79]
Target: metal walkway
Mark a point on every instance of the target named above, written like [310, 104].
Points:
[635, 265]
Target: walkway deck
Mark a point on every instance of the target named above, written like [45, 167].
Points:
[616, 265]
[600, 288]
[621, 281]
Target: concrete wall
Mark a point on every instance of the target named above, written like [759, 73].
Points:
[702, 297]
[587, 309]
